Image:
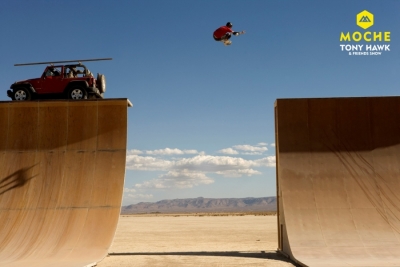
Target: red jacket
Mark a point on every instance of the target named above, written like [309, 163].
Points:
[221, 31]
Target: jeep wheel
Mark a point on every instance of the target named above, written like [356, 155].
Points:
[77, 93]
[101, 83]
[21, 94]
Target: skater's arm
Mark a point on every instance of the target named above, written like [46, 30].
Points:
[238, 33]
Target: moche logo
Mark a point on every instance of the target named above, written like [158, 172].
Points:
[365, 19]
[372, 39]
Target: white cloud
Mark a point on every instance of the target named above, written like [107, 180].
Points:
[192, 171]
[176, 179]
[138, 196]
[129, 190]
[252, 153]
[200, 163]
[228, 151]
[262, 144]
[209, 163]
[239, 173]
[135, 162]
[273, 144]
[171, 151]
[269, 161]
[131, 193]
[134, 152]
[249, 148]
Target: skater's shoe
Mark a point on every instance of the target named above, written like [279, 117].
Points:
[227, 42]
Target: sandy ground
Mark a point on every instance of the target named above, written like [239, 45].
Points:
[195, 241]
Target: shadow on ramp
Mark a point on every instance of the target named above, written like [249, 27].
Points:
[272, 255]
[16, 179]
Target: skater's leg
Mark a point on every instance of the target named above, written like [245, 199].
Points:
[226, 38]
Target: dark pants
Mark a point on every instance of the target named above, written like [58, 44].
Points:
[227, 36]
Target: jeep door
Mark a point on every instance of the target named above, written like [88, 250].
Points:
[53, 81]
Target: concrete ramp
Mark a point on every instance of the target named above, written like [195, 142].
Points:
[338, 180]
[62, 169]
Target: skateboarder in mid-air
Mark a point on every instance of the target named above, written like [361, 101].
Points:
[224, 33]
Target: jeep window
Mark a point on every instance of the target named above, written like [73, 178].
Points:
[53, 72]
[70, 72]
[74, 71]
[80, 71]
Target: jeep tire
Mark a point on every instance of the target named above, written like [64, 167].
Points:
[101, 83]
[76, 93]
[21, 94]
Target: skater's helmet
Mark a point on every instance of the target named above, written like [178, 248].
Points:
[228, 24]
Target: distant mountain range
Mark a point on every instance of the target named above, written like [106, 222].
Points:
[201, 204]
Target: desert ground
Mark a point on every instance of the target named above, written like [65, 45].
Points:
[195, 240]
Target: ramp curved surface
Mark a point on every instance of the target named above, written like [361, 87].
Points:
[62, 169]
[338, 180]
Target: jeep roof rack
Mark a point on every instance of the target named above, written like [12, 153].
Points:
[64, 61]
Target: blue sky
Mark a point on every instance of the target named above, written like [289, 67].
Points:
[203, 117]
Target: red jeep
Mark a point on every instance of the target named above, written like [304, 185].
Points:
[72, 81]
